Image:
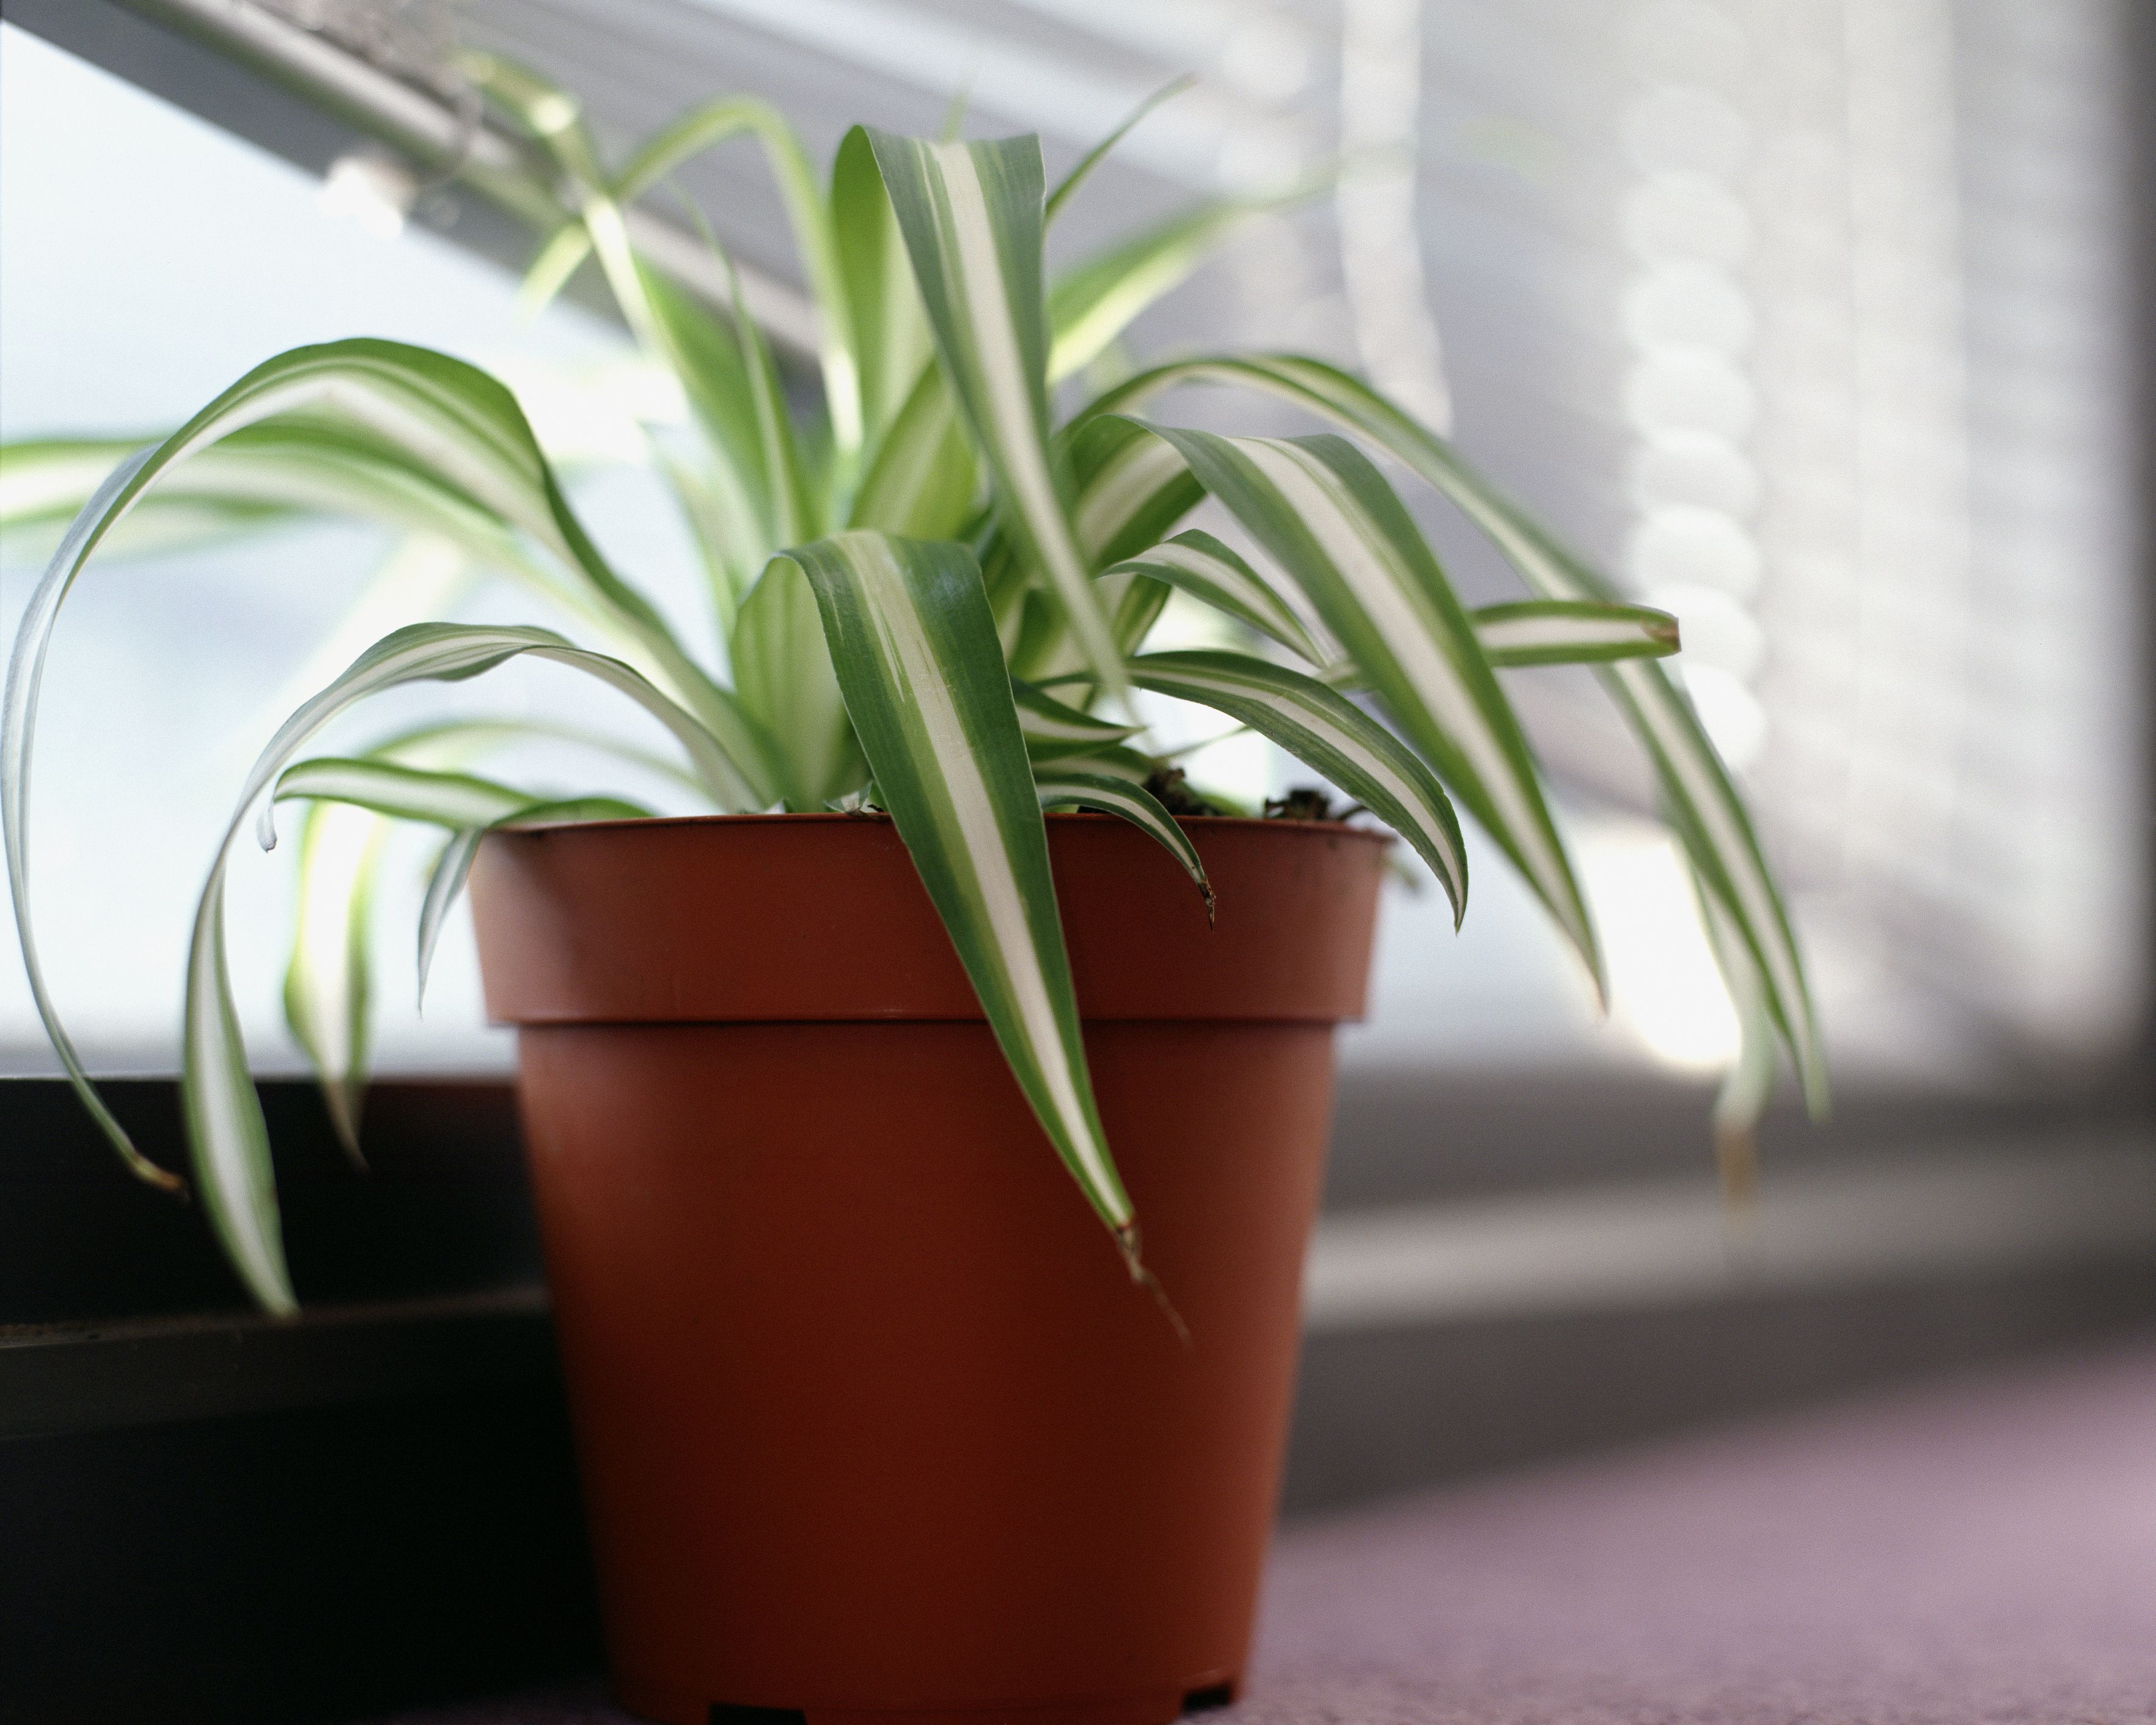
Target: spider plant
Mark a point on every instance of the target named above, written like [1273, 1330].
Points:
[933, 599]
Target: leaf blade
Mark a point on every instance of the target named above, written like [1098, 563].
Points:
[1325, 516]
[972, 213]
[1198, 564]
[1330, 734]
[916, 651]
[1708, 813]
[1061, 788]
[1573, 632]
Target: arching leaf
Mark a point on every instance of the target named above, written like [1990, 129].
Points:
[915, 651]
[1329, 734]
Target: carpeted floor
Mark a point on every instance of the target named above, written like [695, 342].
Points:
[1982, 1553]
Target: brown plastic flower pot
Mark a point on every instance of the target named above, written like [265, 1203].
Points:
[873, 1425]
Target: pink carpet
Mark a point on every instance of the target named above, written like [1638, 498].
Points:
[1982, 1553]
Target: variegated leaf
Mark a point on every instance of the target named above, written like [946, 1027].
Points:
[970, 214]
[1060, 788]
[1704, 806]
[1198, 564]
[1573, 632]
[1324, 514]
[1054, 728]
[917, 653]
[1329, 734]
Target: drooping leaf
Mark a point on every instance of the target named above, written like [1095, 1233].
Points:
[445, 880]
[1701, 800]
[1053, 728]
[328, 981]
[1573, 632]
[226, 1136]
[917, 653]
[45, 482]
[470, 806]
[1329, 734]
[453, 864]
[1132, 488]
[1198, 564]
[457, 437]
[441, 799]
[1060, 788]
[1326, 516]
[970, 214]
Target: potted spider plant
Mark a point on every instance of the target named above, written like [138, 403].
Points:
[845, 1101]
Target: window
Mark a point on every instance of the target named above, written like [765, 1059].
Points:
[1808, 315]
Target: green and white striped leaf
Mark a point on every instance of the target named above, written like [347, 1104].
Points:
[445, 880]
[892, 347]
[795, 513]
[453, 866]
[1119, 761]
[728, 377]
[1702, 801]
[782, 675]
[45, 482]
[921, 483]
[1136, 600]
[727, 497]
[1060, 787]
[1323, 513]
[1094, 302]
[702, 128]
[1054, 728]
[1573, 632]
[970, 214]
[1198, 564]
[464, 803]
[916, 651]
[226, 1132]
[328, 981]
[1132, 488]
[454, 435]
[441, 799]
[1330, 735]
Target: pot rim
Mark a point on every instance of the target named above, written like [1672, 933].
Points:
[1208, 822]
[645, 923]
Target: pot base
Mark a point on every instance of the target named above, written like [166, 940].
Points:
[669, 1707]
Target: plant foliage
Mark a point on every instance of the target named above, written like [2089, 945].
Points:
[933, 598]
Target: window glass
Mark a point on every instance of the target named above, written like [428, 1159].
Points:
[1807, 318]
